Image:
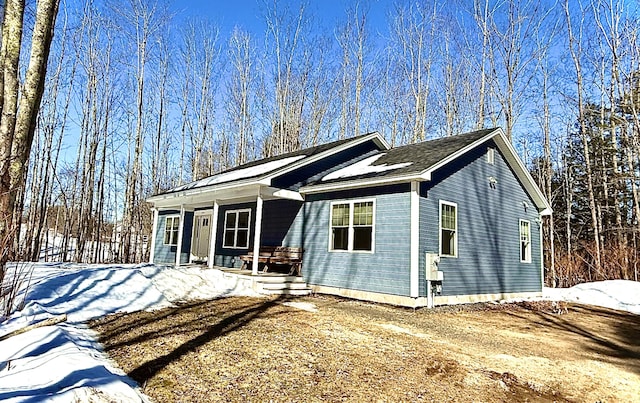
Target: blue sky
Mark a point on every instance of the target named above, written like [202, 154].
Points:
[248, 14]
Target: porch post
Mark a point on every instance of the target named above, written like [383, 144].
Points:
[180, 232]
[256, 234]
[415, 240]
[212, 236]
[154, 232]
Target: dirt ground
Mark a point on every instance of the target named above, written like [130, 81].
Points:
[253, 349]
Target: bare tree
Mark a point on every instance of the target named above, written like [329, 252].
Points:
[286, 30]
[575, 49]
[353, 40]
[240, 92]
[141, 22]
[413, 31]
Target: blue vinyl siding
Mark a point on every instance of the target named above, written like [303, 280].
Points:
[227, 257]
[387, 270]
[167, 253]
[488, 258]
[282, 223]
[280, 227]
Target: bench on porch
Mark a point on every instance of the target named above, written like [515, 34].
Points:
[276, 255]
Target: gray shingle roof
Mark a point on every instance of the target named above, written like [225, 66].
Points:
[420, 156]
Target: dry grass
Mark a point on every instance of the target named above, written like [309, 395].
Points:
[251, 349]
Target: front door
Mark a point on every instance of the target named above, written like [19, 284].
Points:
[200, 240]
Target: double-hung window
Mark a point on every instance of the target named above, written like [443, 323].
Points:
[448, 229]
[525, 241]
[171, 227]
[352, 226]
[236, 229]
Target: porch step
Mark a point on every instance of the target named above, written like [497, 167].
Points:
[284, 286]
[270, 283]
[298, 293]
[266, 279]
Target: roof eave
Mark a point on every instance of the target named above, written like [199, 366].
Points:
[360, 183]
[190, 193]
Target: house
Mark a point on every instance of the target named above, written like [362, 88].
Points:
[451, 220]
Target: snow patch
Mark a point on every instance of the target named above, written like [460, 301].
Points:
[241, 173]
[305, 306]
[364, 167]
[64, 363]
[399, 329]
[623, 295]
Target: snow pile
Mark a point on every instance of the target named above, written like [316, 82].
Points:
[64, 362]
[364, 167]
[623, 295]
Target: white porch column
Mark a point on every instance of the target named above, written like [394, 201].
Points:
[180, 233]
[256, 234]
[154, 232]
[415, 240]
[539, 222]
[212, 235]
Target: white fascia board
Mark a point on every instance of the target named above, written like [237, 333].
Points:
[375, 136]
[201, 190]
[523, 174]
[199, 195]
[355, 184]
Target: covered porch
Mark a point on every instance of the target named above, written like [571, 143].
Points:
[217, 225]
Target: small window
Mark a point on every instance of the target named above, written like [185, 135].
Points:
[491, 156]
[525, 241]
[448, 229]
[351, 226]
[171, 227]
[236, 229]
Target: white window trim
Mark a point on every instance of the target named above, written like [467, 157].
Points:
[164, 234]
[491, 155]
[350, 231]
[235, 233]
[528, 252]
[455, 240]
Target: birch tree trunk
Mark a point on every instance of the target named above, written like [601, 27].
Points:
[19, 107]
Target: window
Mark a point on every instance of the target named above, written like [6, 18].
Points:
[351, 226]
[171, 230]
[491, 156]
[525, 241]
[236, 229]
[448, 229]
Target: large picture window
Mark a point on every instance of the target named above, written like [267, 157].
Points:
[448, 229]
[352, 226]
[525, 241]
[171, 227]
[236, 229]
